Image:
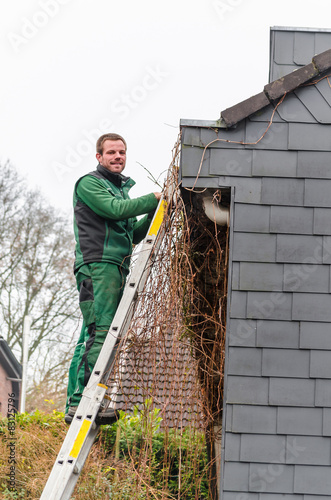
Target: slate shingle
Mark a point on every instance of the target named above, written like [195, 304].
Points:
[281, 334]
[292, 392]
[311, 479]
[252, 419]
[251, 218]
[300, 421]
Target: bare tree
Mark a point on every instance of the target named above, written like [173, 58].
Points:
[36, 278]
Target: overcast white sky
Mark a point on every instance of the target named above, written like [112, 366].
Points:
[73, 69]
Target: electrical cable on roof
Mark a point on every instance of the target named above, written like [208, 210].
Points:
[235, 142]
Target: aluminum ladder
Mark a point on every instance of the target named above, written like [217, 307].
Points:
[83, 429]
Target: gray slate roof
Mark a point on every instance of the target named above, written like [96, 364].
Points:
[9, 362]
[160, 368]
[276, 89]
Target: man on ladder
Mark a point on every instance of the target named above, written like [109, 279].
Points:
[105, 228]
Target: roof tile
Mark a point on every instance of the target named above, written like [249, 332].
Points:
[322, 61]
[287, 83]
[245, 108]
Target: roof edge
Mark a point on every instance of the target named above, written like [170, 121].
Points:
[290, 28]
[184, 122]
[10, 358]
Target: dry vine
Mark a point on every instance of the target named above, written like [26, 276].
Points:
[173, 354]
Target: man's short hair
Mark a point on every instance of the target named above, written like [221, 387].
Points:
[110, 137]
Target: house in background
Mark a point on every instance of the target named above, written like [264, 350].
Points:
[274, 155]
[10, 377]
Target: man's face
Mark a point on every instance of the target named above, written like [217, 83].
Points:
[113, 157]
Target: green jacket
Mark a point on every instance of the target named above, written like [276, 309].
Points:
[105, 223]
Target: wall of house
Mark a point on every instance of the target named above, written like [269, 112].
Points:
[5, 389]
[277, 409]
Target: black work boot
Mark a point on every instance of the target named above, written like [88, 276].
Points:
[108, 416]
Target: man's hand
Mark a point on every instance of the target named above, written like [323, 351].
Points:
[158, 196]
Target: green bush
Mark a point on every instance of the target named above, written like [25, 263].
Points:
[174, 460]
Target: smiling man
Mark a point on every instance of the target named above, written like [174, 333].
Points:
[105, 227]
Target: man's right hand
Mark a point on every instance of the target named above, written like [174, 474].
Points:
[158, 196]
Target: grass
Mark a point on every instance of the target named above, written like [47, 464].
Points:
[130, 460]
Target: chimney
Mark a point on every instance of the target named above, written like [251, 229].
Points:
[291, 48]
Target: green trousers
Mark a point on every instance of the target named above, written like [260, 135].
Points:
[100, 288]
